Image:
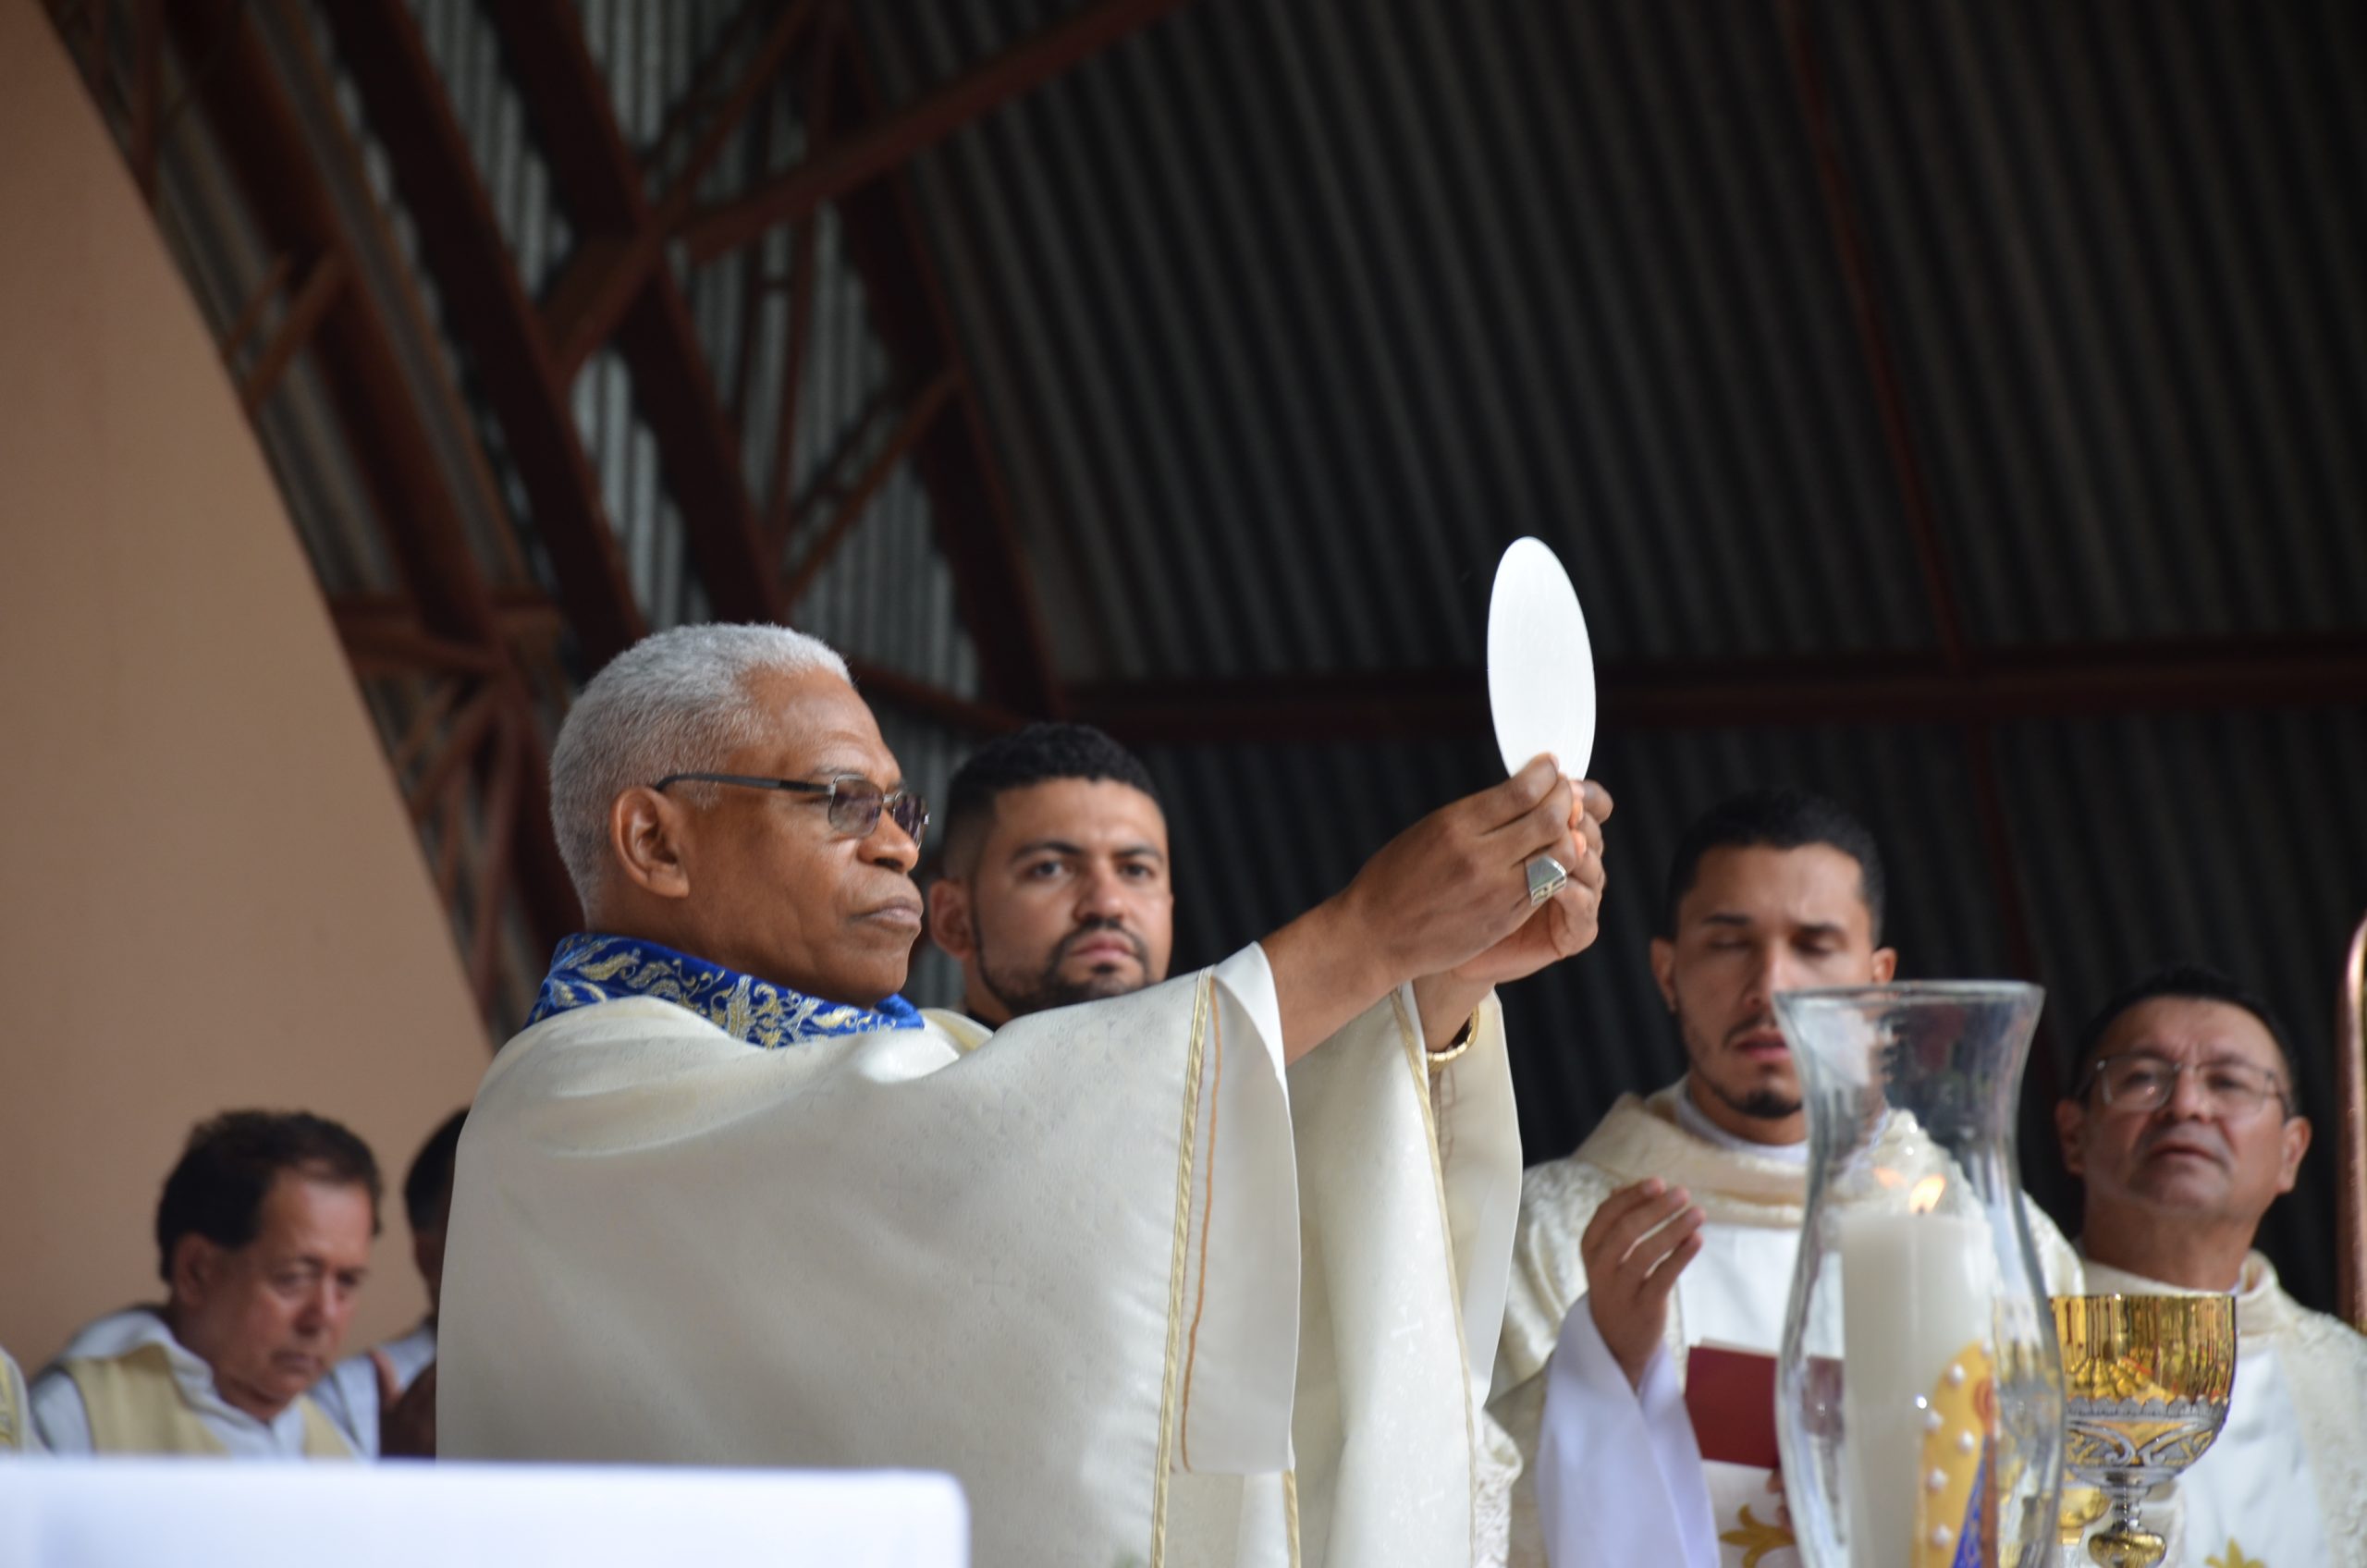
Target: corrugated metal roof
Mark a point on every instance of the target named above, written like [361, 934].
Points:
[1287, 317]
[1270, 284]
[2124, 254]
[1445, 275]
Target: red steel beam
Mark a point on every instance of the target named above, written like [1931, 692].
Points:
[251, 315]
[863, 154]
[147, 84]
[267, 145]
[264, 141]
[1874, 341]
[2046, 682]
[1922, 516]
[821, 74]
[322, 286]
[486, 305]
[514, 748]
[890, 247]
[919, 415]
[609, 269]
[598, 182]
[880, 684]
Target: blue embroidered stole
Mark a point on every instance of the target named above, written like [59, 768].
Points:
[589, 968]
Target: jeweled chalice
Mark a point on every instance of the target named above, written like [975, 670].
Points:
[2145, 1387]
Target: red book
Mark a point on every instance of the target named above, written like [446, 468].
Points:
[1730, 1394]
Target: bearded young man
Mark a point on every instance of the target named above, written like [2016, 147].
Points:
[1054, 887]
[2183, 1130]
[1678, 1221]
[729, 1199]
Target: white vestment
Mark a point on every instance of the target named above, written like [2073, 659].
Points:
[1150, 1299]
[2285, 1484]
[1614, 1476]
[349, 1392]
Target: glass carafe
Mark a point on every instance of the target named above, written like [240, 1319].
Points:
[1920, 1394]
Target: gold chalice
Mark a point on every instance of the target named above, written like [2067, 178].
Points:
[2145, 1387]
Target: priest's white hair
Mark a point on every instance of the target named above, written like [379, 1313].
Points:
[675, 702]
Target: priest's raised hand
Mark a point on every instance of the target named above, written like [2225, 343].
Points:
[1448, 904]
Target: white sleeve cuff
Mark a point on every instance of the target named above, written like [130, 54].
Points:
[1619, 1478]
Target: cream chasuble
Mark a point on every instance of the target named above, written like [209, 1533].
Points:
[2286, 1483]
[1150, 1299]
[1624, 1481]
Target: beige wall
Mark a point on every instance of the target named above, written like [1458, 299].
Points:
[211, 896]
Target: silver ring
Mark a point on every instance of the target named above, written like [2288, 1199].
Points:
[1546, 877]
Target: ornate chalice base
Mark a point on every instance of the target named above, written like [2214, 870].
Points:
[2145, 1386]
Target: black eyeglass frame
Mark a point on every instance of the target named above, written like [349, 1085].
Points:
[2276, 1089]
[890, 802]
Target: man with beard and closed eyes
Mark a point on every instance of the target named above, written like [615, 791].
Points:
[1054, 886]
[1677, 1223]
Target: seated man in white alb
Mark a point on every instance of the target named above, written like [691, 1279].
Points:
[731, 1200]
[2184, 1130]
[1677, 1223]
[263, 1234]
[384, 1400]
[17, 1434]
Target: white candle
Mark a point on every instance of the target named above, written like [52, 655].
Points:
[1915, 1333]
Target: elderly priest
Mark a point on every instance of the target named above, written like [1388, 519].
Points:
[730, 1200]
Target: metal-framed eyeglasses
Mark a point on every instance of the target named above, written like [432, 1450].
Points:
[2142, 1080]
[855, 802]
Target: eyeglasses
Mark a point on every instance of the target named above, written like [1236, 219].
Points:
[2140, 1081]
[856, 803]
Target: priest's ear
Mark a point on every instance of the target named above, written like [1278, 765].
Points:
[645, 836]
[949, 918]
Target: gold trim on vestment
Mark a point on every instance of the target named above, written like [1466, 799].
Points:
[1188, 1146]
[1208, 1212]
[1290, 1509]
[1409, 1034]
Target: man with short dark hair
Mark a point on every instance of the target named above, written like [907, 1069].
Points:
[1678, 1220]
[385, 1398]
[2183, 1129]
[1054, 886]
[262, 1236]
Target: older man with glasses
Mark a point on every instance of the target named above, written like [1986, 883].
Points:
[2184, 1129]
[730, 1200]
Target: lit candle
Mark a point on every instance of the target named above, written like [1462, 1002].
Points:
[1916, 1363]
